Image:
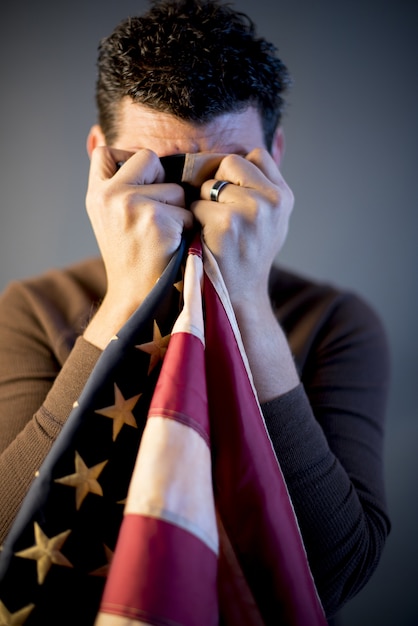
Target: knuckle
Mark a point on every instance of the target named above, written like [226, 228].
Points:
[228, 165]
[274, 196]
[137, 210]
[100, 151]
[231, 160]
[145, 155]
[93, 199]
[226, 220]
[257, 155]
[106, 193]
[288, 199]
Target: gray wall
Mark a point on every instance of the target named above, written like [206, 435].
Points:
[351, 160]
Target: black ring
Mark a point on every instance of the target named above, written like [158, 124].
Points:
[216, 189]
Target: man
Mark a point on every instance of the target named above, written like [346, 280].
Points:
[192, 77]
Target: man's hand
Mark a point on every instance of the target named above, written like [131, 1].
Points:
[248, 225]
[245, 230]
[138, 221]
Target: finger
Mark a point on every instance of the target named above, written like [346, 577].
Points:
[256, 172]
[228, 194]
[169, 194]
[137, 168]
[235, 169]
[166, 212]
[242, 177]
[278, 190]
[263, 160]
[142, 168]
[242, 172]
[103, 162]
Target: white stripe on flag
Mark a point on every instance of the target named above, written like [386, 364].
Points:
[172, 479]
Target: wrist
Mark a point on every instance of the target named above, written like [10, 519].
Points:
[107, 322]
[268, 352]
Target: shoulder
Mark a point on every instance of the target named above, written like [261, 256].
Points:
[318, 315]
[53, 306]
[86, 278]
[294, 295]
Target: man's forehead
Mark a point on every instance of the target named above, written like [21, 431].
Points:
[140, 126]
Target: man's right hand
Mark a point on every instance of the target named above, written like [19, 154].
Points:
[138, 221]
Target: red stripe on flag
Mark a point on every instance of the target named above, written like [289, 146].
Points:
[182, 591]
[250, 491]
[181, 388]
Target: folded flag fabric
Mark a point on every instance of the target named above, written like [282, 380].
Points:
[162, 501]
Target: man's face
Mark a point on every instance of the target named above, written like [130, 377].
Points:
[140, 127]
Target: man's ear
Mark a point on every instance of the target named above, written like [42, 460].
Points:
[95, 138]
[278, 146]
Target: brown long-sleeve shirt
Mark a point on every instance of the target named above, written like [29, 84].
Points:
[327, 433]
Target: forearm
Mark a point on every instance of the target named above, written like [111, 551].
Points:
[327, 432]
[268, 352]
[22, 457]
[343, 525]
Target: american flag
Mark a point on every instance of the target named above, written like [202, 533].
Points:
[162, 502]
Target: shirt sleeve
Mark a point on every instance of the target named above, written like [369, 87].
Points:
[328, 435]
[37, 391]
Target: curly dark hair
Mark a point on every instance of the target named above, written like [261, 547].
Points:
[194, 59]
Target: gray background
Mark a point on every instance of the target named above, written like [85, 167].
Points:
[351, 160]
